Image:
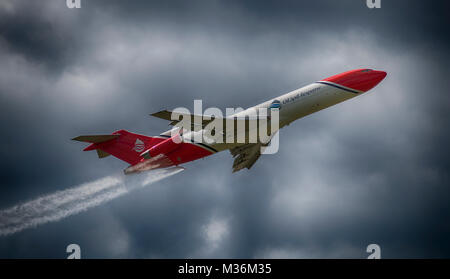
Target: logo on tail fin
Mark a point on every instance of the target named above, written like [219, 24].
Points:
[139, 146]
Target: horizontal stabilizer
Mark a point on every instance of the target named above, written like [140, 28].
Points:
[102, 154]
[96, 138]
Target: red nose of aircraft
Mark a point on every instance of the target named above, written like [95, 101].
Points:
[360, 80]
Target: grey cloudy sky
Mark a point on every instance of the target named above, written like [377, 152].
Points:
[374, 169]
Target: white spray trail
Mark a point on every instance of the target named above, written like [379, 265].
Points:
[62, 204]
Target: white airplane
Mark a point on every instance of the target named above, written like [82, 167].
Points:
[172, 149]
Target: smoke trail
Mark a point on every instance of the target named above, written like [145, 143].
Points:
[61, 204]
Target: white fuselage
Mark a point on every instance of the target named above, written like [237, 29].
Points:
[294, 105]
[304, 101]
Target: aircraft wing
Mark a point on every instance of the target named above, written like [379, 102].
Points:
[199, 122]
[245, 156]
[196, 120]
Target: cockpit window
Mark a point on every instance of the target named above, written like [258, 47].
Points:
[366, 70]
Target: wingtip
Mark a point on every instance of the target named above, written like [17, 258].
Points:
[158, 112]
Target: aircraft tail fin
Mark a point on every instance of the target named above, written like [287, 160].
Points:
[121, 144]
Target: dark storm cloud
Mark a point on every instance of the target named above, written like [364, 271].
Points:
[373, 169]
[400, 21]
[32, 30]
